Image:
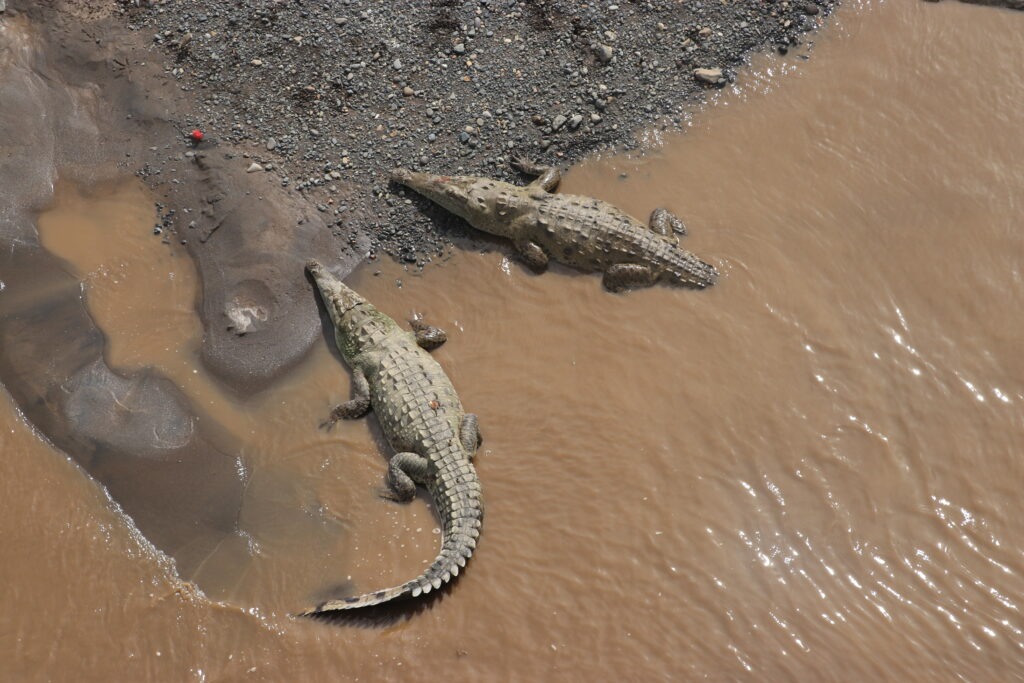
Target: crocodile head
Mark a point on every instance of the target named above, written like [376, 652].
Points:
[472, 199]
[338, 297]
[356, 321]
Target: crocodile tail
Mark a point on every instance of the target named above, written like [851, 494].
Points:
[690, 271]
[456, 550]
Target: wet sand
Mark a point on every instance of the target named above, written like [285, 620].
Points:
[808, 471]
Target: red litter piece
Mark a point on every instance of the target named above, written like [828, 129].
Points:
[196, 135]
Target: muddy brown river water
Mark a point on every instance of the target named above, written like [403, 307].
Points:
[810, 471]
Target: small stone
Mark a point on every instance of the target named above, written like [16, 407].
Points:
[810, 9]
[271, 144]
[575, 121]
[604, 53]
[397, 64]
[460, 49]
[407, 91]
[704, 32]
[3, 5]
[595, 118]
[558, 122]
[710, 76]
[257, 62]
[254, 168]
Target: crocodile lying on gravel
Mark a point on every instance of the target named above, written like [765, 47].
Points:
[586, 233]
[421, 417]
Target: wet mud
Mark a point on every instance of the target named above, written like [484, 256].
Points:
[108, 114]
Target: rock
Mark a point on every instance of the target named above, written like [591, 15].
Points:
[257, 62]
[271, 144]
[460, 48]
[3, 5]
[704, 32]
[810, 9]
[558, 122]
[711, 76]
[254, 168]
[575, 121]
[604, 53]
[407, 91]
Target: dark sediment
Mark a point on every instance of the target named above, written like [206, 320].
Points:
[343, 92]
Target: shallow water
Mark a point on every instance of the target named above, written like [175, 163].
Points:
[808, 471]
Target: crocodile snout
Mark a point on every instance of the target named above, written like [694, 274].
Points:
[401, 176]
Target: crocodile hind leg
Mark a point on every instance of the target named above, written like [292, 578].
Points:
[624, 276]
[665, 223]
[427, 336]
[356, 407]
[405, 470]
[532, 254]
[469, 434]
[548, 177]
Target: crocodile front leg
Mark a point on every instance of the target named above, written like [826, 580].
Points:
[427, 336]
[664, 222]
[548, 177]
[405, 470]
[624, 276]
[469, 434]
[355, 407]
[532, 254]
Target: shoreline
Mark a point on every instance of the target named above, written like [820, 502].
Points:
[284, 172]
[330, 100]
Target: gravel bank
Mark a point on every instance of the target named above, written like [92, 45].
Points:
[331, 96]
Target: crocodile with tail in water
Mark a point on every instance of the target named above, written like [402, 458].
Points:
[422, 419]
[581, 232]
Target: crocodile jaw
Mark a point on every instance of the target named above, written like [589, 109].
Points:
[338, 298]
[451, 192]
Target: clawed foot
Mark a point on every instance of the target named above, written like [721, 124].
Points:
[387, 493]
[427, 336]
[328, 424]
[524, 165]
